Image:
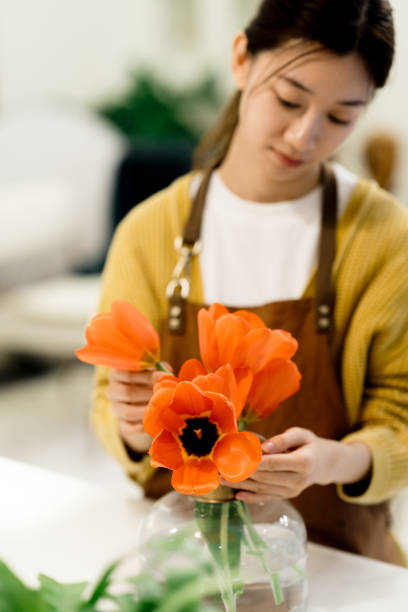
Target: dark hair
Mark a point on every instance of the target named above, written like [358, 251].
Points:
[364, 27]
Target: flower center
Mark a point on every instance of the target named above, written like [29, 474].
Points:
[199, 436]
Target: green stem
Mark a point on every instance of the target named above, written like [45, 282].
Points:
[162, 368]
[299, 570]
[228, 592]
[257, 545]
[181, 598]
[224, 538]
[246, 519]
[276, 588]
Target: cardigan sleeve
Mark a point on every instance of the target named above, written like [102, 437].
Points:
[383, 419]
[138, 267]
[125, 276]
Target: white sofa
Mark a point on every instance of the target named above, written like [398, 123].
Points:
[57, 169]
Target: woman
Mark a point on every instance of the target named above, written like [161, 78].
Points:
[336, 278]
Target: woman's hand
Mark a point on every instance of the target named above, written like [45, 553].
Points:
[129, 393]
[297, 459]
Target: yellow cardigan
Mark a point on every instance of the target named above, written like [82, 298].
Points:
[370, 344]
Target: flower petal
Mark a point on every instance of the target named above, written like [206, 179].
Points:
[90, 336]
[216, 310]
[102, 332]
[166, 381]
[221, 381]
[165, 451]
[244, 378]
[189, 400]
[229, 332]
[237, 455]
[133, 324]
[260, 346]
[190, 369]
[222, 413]
[229, 383]
[210, 382]
[206, 339]
[234, 384]
[102, 357]
[159, 416]
[276, 382]
[251, 318]
[196, 477]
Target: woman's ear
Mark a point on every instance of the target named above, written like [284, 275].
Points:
[240, 60]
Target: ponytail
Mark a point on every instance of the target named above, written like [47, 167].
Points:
[213, 148]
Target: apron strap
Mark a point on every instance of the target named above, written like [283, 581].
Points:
[324, 299]
[193, 226]
[187, 247]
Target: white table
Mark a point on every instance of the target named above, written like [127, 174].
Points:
[70, 530]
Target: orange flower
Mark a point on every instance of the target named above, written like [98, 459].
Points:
[276, 382]
[123, 339]
[195, 432]
[243, 340]
[235, 386]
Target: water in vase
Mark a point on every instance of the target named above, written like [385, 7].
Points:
[284, 561]
[258, 596]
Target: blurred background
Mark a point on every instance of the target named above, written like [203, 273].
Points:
[101, 103]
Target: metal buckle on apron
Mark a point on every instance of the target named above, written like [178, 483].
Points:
[180, 283]
[178, 289]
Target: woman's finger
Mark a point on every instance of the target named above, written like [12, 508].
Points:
[276, 479]
[272, 492]
[290, 439]
[255, 498]
[300, 460]
[128, 427]
[146, 377]
[128, 412]
[117, 392]
[259, 487]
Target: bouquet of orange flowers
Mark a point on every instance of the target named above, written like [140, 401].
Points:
[197, 419]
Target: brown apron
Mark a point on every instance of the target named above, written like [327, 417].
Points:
[318, 405]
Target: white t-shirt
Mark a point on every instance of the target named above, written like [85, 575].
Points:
[254, 253]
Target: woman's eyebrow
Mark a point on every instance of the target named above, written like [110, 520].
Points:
[296, 84]
[352, 102]
[299, 85]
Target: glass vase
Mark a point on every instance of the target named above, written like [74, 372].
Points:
[258, 551]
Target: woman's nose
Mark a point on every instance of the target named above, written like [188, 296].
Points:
[303, 133]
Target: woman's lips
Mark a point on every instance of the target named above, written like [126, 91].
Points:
[287, 161]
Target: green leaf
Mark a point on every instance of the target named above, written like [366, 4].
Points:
[178, 578]
[101, 586]
[149, 590]
[125, 602]
[188, 597]
[61, 597]
[15, 596]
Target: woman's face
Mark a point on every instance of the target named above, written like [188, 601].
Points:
[291, 119]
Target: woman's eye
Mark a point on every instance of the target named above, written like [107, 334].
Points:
[287, 104]
[334, 119]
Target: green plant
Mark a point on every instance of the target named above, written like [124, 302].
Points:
[170, 589]
[152, 109]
